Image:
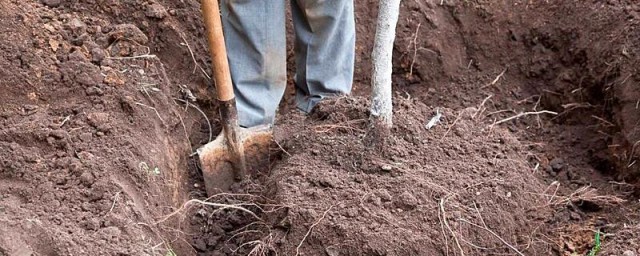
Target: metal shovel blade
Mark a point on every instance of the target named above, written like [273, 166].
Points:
[219, 160]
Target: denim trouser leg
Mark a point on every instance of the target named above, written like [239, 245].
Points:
[256, 44]
[325, 49]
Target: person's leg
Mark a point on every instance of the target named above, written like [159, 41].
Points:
[255, 36]
[325, 49]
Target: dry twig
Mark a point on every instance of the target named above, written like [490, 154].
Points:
[454, 123]
[481, 107]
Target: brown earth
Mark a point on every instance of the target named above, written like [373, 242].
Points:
[99, 117]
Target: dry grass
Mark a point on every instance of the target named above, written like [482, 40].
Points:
[587, 194]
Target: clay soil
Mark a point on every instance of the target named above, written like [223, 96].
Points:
[102, 104]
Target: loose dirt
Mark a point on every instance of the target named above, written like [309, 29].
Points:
[103, 103]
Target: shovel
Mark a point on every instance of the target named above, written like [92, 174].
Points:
[236, 150]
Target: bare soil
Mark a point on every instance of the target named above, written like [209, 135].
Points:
[103, 102]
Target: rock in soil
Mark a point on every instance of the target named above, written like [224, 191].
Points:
[156, 11]
[52, 3]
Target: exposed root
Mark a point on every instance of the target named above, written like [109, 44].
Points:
[525, 114]
[311, 229]
[193, 57]
[143, 56]
[495, 235]
[495, 81]
[184, 128]
[154, 109]
[281, 148]
[344, 125]
[66, 119]
[260, 247]
[201, 112]
[115, 199]
[446, 224]
[219, 206]
[415, 50]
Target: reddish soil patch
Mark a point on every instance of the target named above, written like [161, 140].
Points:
[95, 137]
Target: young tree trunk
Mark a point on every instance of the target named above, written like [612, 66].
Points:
[381, 106]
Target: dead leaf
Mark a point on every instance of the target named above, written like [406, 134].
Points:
[49, 27]
[113, 78]
[54, 44]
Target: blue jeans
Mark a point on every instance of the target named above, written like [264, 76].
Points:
[255, 36]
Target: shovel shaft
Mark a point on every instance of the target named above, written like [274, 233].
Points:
[224, 86]
[229, 117]
[218, 50]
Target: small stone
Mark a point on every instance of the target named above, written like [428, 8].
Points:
[196, 185]
[575, 216]
[351, 212]
[202, 212]
[85, 137]
[407, 200]
[213, 241]
[99, 120]
[156, 11]
[78, 56]
[94, 91]
[376, 201]
[331, 251]
[200, 245]
[386, 168]
[629, 253]
[92, 224]
[557, 164]
[58, 134]
[327, 182]
[384, 195]
[111, 233]
[52, 3]
[77, 26]
[29, 107]
[129, 32]
[87, 178]
[97, 55]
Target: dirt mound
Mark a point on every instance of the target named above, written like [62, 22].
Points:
[429, 192]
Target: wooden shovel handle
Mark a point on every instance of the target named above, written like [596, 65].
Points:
[217, 49]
